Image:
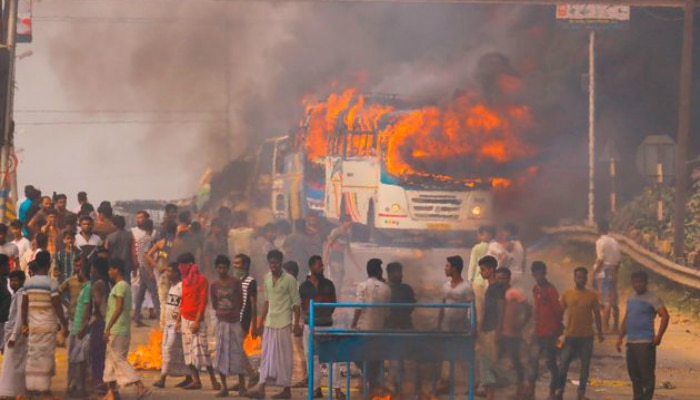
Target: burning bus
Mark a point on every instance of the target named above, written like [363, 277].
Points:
[361, 184]
[394, 169]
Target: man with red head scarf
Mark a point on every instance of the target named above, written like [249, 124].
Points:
[193, 325]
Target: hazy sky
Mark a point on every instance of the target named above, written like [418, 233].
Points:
[93, 152]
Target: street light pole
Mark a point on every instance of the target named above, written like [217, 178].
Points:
[683, 132]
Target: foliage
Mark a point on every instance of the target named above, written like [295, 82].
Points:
[638, 218]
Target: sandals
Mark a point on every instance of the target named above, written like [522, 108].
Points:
[145, 393]
[255, 395]
[193, 386]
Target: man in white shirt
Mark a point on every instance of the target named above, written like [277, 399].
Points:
[373, 290]
[515, 250]
[607, 266]
[497, 250]
[23, 244]
[86, 237]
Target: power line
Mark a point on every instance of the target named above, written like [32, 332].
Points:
[643, 3]
[207, 22]
[115, 122]
[115, 111]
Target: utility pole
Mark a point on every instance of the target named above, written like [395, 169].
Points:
[683, 132]
[227, 71]
[591, 128]
[7, 84]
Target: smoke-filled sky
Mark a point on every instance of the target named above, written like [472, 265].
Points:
[157, 70]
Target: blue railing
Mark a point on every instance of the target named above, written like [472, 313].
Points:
[333, 345]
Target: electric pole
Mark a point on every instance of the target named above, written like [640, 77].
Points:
[7, 83]
[686, 79]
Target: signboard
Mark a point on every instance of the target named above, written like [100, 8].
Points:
[24, 21]
[655, 151]
[593, 16]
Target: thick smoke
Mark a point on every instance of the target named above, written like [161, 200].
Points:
[277, 54]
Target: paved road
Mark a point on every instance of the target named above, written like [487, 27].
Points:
[678, 358]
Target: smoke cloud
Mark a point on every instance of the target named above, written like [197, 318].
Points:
[275, 54]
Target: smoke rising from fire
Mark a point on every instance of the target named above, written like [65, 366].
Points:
[275, 54]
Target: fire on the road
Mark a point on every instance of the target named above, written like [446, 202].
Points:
[149, 356]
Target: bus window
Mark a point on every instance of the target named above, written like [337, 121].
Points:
[361, 145]
[266, 154]
[282, 149]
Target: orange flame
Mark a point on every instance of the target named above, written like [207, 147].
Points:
[252, 346]
[148, 356]
[465, 130]
[322, 119]
[419, 142]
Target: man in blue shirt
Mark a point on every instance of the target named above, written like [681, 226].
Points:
[31, 195]
[638, 326]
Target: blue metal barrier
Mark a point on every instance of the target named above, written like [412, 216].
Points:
[333, 345]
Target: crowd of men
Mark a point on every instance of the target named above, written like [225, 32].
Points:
[84, 273]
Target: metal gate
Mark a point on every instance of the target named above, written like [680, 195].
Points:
[360, 347]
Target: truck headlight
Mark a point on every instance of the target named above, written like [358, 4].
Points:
[476, 210]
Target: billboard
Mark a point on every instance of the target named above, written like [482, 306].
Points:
[24, 21]
[593, 16]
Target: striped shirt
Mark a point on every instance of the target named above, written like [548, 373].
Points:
[250, 288]
[39, 291]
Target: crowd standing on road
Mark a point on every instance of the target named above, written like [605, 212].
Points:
[79, 276]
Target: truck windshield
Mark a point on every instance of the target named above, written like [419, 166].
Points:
[434, 176]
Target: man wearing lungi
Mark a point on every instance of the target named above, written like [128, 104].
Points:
[12, 380]
[227, 301]
[193, 324]
[79, 336]
[117, 335]
[281, 302]
[173, 358]
[41, 313]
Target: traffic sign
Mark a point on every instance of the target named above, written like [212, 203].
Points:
[593, 16]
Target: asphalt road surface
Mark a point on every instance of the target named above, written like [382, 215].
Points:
[678, 357]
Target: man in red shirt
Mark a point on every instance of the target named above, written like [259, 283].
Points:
[192, 323]
[548, 327]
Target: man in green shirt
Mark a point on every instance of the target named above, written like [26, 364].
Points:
[118, 336]
[79, 339]
[281, 302]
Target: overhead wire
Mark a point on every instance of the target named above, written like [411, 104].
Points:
[116, 122]
[116, 111]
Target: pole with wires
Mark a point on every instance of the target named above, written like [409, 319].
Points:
[7, 77]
